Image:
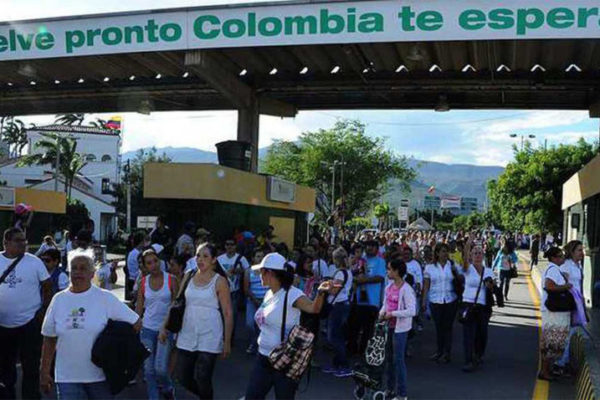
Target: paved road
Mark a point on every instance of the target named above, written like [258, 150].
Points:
[509, 371]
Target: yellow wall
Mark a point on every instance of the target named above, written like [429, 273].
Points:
[42, 200]
[582, 185]
[215, 182]
[284, 229]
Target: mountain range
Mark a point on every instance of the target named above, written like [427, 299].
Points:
[448, 179]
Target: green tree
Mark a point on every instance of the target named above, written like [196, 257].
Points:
[382, 212]
[50, 146]
[133, 174]
[14, 134]
[69, 119]
[527, 196]
[367, 169]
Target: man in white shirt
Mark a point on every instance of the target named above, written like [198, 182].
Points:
[185, 243]
[25, 293]
[133, 265]
[234, 265]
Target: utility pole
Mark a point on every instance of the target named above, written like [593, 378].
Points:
[128, 178]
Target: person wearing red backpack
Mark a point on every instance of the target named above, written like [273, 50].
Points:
[156, 292]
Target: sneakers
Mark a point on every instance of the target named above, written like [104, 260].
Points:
[342, 373]
[329, 369]
[435, 357]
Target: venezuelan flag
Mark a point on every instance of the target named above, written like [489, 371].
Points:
[114, 123]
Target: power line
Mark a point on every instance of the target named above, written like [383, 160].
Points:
[473, 121]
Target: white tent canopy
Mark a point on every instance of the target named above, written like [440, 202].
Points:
[420, 225]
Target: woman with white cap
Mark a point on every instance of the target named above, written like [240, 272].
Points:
[278, 276]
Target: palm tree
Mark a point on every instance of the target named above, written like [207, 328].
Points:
[65, 148]
[382, 212]
[69, 119]
[99, 123]
[14, 134]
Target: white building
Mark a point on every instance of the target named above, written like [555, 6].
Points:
[101, 149]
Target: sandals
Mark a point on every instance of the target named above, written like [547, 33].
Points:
[544, 378]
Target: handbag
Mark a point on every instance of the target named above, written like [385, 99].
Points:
[177, 309]
[328, 306]
[562, 301]
[467, 311]
[457, 284]
[513, 272]
[293, 355]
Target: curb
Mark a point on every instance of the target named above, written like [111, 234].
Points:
[583, 354]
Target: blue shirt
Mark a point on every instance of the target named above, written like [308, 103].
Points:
[375, 267]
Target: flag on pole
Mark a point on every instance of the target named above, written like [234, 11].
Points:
[451, 202]
[114, 123]
[431, 189]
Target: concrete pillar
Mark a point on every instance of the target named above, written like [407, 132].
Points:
[248, 126]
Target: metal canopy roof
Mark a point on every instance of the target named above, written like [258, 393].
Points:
[507, 74]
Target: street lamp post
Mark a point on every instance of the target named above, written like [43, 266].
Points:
[514, 135]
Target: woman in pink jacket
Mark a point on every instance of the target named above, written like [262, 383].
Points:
[400, 305]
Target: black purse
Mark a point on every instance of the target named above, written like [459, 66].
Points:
[467, 312]
[177, 309]
[562, 301]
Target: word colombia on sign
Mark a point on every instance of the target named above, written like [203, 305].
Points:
[290, 24]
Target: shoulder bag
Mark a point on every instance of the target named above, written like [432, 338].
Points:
[458, 284]
[562, 301]
[467, 312]
[327, 306]
[292, 356]
[177, 309]
[10, 268]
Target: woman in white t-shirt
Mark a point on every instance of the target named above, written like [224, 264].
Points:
[476, 279]
[555, 325]
[157, 291]
[572, 269]
[278, 276]
[340, 302]
[73, 321]
[205, 334]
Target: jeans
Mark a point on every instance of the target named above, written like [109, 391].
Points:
[195, 372]
[264, 377]
[24, 343]
[534, 260]
[156, 366]
[390, 369]
[361, 320]
[335, 333]
[505, 281]
[253, 330]
[475, 334]
[78, 391]
[443, 316]
[400, 339]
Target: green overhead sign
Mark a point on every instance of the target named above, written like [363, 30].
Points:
[302, 24]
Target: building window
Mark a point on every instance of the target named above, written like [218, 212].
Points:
[106, 187]
[90, 158]
[106, 158]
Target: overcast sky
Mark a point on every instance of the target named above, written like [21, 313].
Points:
[474, 137]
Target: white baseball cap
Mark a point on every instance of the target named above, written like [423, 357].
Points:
[274, 261]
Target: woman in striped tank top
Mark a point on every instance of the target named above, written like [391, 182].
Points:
[156, 291]
[255, 292]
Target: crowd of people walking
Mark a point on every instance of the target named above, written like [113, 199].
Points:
[189, 296]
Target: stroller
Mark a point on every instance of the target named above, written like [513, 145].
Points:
[369, 378]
